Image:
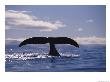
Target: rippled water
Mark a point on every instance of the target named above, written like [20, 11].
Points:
[87, 58]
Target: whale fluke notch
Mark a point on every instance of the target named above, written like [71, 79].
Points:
[52, 41]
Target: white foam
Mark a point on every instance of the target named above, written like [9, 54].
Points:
[25, 56]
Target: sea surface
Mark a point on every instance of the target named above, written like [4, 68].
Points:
[35, 58]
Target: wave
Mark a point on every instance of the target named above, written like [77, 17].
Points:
[25, 56]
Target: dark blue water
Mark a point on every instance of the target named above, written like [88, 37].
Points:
[87, 58]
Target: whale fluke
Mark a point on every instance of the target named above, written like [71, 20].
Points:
[52, 41]
[34, 40]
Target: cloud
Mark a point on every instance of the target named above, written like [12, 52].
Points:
[22, 20]
[89, 21]
[80, 29]
[90, 40]
[14, 39]
[18, 11]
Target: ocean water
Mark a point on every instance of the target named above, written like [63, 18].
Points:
[31, 58]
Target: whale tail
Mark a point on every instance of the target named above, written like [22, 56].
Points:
[53, 51]
[52, 41]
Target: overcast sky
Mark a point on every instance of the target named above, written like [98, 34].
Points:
[70, 21]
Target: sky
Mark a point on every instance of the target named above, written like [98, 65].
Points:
[85, 23]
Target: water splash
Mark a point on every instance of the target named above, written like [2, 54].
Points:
[25, 56]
